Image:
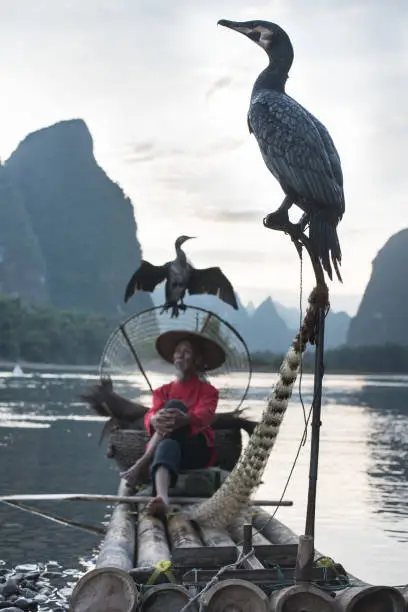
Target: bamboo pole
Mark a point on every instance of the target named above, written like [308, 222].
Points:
[133, 499]
[60, 520]
[109, 586]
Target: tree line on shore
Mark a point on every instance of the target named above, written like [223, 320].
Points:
[375, 359]
[39, 334]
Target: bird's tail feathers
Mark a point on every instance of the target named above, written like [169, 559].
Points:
[325, 242]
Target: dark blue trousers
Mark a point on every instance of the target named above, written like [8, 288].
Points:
[179, 450]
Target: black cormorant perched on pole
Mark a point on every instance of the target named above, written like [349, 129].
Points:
[296, 148]
[180, 277]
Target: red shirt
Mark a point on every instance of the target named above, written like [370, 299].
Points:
[201, 399]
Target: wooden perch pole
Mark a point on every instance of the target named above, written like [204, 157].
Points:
[316, 423]
[315, 326]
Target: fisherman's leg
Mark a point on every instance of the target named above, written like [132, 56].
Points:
[195, 453]
[134, 473]
[164, 470]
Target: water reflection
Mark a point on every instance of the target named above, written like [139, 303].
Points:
[387, 443]
[384, 400]
[48, 443]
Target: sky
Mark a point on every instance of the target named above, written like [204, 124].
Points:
[165, 93]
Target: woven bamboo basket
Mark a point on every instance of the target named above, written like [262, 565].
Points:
[127, 445]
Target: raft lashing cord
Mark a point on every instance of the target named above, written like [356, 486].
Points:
[233, 496]
[344, 580]
[242, 557]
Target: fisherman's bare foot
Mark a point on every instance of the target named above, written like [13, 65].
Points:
[133, 474]
[158, 506]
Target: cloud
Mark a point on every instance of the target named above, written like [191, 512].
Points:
[234, 256]
[221, 83]
[148, 151]
[230, 216]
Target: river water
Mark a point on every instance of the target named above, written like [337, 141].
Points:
[49, 444]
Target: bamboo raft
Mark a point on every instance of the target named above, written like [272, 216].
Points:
[256, 564]
[148, 565]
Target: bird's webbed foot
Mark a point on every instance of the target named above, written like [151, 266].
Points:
[174, 310]
[279, 219]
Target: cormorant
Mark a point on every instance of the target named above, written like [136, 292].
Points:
[297, 149]
[180, 277]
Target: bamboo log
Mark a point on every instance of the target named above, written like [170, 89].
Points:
[274, 530]
[368, 598]
[258, 539]
[109, 586]
[404, 591]
[169, 597]
[118, 548]
[105, 588]
[238, 534]
[213, 536]
[265, 550]
[182, 533]
[279, 533]
[152, 546]
[235, 595]
[301, 598]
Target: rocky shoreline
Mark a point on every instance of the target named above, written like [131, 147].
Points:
[36, 587]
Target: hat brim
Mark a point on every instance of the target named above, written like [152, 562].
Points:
[213, 354]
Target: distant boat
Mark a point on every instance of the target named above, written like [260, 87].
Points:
[18, 370]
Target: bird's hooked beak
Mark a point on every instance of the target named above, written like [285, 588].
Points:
[182, 239]
[257, 32]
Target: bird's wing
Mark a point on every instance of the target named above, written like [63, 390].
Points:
[213, 281]
[145, 278]
[297, 149]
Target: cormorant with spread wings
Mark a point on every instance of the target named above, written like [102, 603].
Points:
[181, 276]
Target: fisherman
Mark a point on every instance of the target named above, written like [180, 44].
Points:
[180, 415]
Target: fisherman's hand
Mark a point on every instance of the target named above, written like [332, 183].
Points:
[177, 418]
[161, 423]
